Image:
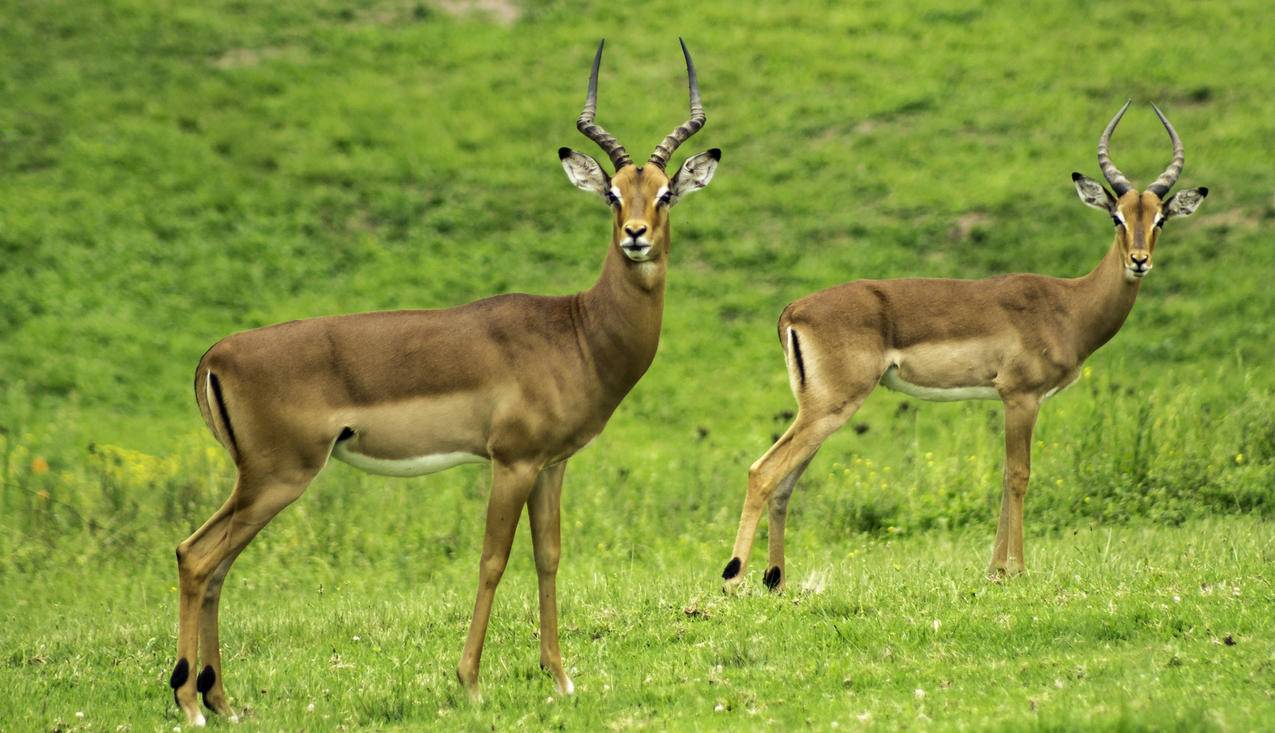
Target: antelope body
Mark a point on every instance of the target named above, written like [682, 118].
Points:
[1017, 338]
[518, 381]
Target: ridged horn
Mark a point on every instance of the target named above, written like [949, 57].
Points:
[1170, 174]
[585, 124]
[682, 132]
[1118, 182]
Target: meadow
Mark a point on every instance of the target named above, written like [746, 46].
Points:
[171, 173]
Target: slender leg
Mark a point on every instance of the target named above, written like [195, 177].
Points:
[1020, 421]
[254, 502]
[510, 486]
[793, 449]
[775, 576]
[543, 508]
[211, 683]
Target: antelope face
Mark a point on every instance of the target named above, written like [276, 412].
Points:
[639, 195]
[640, 200]
[1138, 217]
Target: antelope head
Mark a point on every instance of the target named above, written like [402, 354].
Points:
[1138, 217]
[640, 196]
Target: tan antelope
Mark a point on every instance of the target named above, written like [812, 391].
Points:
[1017, 338]
[521, 382]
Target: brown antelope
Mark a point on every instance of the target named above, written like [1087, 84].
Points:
[518, 381]
[1018, 338]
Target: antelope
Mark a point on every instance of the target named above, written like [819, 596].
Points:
[520, 382]
[1018, 338]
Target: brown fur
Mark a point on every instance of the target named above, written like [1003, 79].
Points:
[522, 380]
[1017, 337]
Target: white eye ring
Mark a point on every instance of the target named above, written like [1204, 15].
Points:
[615, 196]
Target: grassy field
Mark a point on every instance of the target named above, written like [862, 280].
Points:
[172, 173]
[1125, 628]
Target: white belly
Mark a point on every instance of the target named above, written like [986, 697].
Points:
[892, 380]
[417, 466]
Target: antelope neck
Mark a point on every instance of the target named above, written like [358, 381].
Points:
[620, 317]
[1106, 298]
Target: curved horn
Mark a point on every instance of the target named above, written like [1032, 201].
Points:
[605, 140]
[1109, 171]
[1170, 174]
[682, 132]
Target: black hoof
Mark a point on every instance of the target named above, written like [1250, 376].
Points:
[732, 569]
[181, 673]
[772, 577]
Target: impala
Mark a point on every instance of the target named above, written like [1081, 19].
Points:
[1017, 338]
[520, 382]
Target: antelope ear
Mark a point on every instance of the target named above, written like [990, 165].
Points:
[585, 173]
[1094, 194]
[694, 174]
[1185, 202]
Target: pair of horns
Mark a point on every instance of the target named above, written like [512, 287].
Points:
[1117, 179]
[612, 146]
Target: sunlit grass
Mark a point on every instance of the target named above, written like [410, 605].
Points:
[172, 173]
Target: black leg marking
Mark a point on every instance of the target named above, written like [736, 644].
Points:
[204, 683]
[180, 674]
[732, 569]
[205, 680]
[771, 578]
[796, 356]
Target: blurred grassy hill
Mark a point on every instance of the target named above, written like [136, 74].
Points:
[172, 173]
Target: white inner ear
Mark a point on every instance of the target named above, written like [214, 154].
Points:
[1093, 195]
[1184, 203]
[585, 174]
[694, 174]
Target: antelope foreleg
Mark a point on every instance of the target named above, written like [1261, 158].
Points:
[510, 486]
[544, 511]
[1007, 552]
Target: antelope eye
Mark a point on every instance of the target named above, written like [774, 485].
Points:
[665, 198]
[1116, 220]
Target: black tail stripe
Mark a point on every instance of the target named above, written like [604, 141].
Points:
[796, 355]
[221, 409]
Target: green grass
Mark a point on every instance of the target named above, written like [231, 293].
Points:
[1124, 628]
[172, 173]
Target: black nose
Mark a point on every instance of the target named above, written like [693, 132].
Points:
[1138, 259]
[636, 231]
